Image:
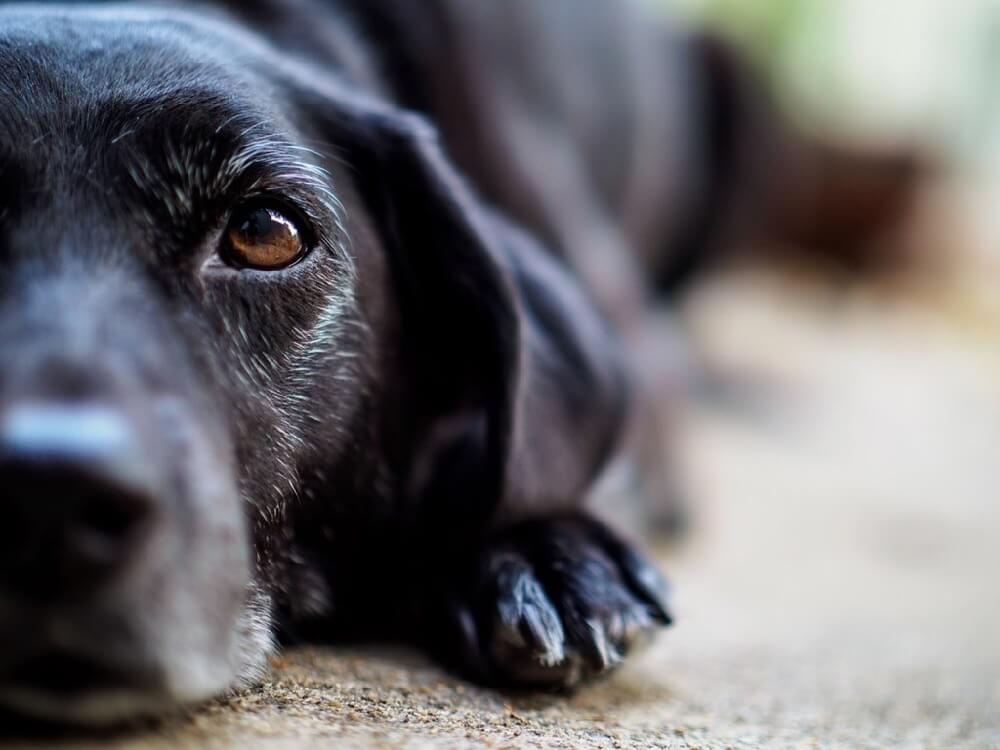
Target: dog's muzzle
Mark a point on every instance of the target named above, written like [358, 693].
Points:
[118, 583]
[79, 496]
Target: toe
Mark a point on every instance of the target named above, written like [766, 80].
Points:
[525, 619]
[642, 577]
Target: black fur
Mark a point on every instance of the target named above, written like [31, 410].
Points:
[393, 438]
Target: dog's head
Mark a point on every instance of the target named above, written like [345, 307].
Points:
[186, 304]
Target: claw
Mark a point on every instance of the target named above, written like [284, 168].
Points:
[470, 647]
[627, 626]
[541, 626]
[526, 615]
[598, 649]
[651, 587]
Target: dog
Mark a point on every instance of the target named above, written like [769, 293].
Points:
[311, 321]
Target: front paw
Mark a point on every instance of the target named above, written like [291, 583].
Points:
[555, 601]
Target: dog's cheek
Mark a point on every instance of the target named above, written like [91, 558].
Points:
[255, 640]
[287, 353]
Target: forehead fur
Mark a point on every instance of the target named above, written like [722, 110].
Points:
[63, 67]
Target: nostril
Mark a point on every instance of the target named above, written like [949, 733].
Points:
[103, 526]
[107, 518]
[74, 492]
[75, 532]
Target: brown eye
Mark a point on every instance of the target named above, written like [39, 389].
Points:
[263, 237]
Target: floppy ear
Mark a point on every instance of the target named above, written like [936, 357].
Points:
[459, 344]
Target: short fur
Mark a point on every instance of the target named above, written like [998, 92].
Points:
[395, 437]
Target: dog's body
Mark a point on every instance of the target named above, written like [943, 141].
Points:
[406, 417]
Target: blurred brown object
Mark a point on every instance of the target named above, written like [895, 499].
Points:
[843, 206]
[779, 194]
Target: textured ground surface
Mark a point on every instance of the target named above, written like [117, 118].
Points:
[839, 589]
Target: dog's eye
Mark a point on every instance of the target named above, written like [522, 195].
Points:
[263, 236]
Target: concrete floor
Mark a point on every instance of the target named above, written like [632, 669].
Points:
[839, 588]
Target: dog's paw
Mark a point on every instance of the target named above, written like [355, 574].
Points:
[556, 601]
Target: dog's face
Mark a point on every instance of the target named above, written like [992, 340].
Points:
[174, 285]
[195, 323]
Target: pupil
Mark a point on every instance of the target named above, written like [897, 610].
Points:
[258, 224]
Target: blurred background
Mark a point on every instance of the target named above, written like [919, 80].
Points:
[838, 584]
[918, 68]
[917, 72]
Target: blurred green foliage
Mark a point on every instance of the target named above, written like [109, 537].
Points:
[766, 27]
[781, 36]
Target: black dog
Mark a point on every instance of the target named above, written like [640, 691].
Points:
[269, 365]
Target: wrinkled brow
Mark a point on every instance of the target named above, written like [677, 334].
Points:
[192, 170]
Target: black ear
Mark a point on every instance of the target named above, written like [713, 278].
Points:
[459, 344]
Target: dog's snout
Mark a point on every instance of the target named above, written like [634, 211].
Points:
[76, 496]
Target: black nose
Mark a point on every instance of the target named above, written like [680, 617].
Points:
[74, 499]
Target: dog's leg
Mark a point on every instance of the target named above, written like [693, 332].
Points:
[551, 601]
